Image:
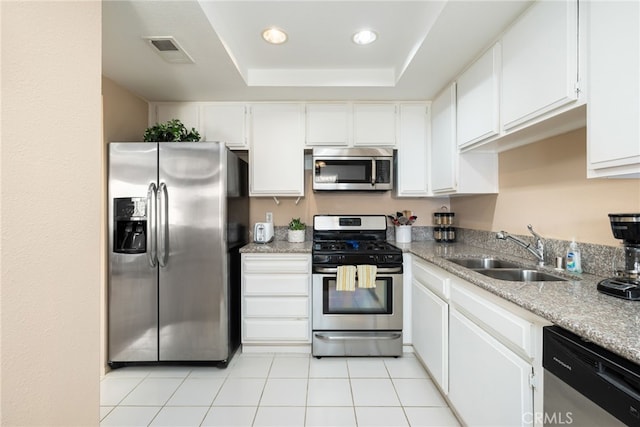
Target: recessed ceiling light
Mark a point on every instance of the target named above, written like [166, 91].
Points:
[364, 37]
[274, 35]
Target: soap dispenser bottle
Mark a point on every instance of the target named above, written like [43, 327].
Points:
[573, 258]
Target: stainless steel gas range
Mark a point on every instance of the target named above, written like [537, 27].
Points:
[349, 319]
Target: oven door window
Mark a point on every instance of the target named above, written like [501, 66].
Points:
[378, 300]
[353, 171]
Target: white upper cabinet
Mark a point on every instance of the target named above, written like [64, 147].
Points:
[613, 116]
[539, 62]
[478, 99]
[412, 171]
[224, 122]
[374, 125]
[443, 141]
[276, 152]
[453, 172]
[328, 124]
[187, 113]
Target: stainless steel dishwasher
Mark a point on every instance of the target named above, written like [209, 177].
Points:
[586, 385]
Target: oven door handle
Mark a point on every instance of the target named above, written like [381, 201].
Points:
[334, 270]
[377, 336]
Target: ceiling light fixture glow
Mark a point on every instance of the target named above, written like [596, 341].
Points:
[364, 37]
[274, 35]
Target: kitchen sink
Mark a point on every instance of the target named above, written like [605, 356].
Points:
[484, 262]
[520, 275]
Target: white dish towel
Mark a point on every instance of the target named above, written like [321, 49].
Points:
[367, 276]
[346, 278]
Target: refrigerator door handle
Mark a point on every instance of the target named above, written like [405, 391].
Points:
[163, 225]
[152, 252]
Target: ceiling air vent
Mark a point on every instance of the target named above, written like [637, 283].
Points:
[169, 49]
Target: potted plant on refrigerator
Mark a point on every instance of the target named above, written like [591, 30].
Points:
[171, 131]
[297, 231]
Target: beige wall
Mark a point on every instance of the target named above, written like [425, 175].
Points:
[341, 203]
[545, 184]
[50, 171]
[125, 117]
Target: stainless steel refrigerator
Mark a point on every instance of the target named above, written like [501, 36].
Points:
[178, 215]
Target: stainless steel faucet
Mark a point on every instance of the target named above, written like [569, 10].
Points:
[538, 251]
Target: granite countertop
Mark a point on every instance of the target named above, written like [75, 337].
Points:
[575, 305]
[277, 247]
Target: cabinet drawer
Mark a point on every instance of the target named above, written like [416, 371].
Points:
[275, 330]
[507, 327]
[428, 277]
[276, 284]
[276, 264]
[276, 307]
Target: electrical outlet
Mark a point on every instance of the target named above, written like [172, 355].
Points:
[269, 216]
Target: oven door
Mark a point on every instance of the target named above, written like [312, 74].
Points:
[365, 309]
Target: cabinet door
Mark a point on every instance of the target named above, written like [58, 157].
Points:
[374, 125]
[226, 123]
[327, 124]
[613, 116]
[488, 383]
[478, 98]
[187, 113]
[430, 326]
[278, 330]
[413, 156]
[539, 62]
[276, 156]
[443, 141]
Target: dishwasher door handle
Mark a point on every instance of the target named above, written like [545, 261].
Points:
[618, 383]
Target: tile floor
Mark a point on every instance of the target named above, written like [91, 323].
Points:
[276, 390]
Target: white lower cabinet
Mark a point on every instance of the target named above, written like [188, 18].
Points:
[488, 383]
[430, 321]
[495, 358]
[276, 300]
[484, 353]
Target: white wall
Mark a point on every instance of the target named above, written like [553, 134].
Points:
[50, 176]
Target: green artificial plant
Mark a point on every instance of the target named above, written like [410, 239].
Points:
[296, 224]
[171, 131]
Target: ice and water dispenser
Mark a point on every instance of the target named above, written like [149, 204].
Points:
[130, 225]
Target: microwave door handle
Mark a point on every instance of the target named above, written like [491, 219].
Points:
[373, 172]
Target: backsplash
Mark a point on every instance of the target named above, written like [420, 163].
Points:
[596, 259]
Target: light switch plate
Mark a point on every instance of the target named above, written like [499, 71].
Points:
[269, 217]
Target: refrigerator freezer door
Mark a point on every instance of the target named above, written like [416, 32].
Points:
[193, 300]
[133, 289]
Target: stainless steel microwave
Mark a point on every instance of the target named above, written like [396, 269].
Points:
[360, 169]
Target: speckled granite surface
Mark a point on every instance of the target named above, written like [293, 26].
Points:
[575, 305]
[277, 247]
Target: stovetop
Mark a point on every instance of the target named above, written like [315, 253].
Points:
[352, 246]
[352, 252]
[353, 239]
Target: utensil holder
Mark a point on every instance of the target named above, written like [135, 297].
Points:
[403, 233]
